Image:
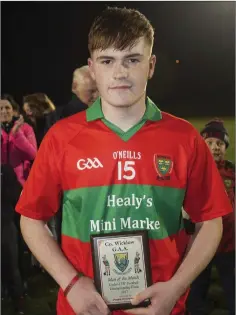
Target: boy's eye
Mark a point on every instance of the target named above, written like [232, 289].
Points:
[106, 62]
[133, 60]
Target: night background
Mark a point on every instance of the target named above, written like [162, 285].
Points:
[43, 42]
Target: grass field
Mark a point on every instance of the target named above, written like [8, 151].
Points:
[42, 289]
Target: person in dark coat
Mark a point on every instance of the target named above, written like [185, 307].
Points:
[10, 270]
[217, 138]
[84, 91]
[41, 112]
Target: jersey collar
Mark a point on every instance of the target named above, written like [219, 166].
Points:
[152, 112]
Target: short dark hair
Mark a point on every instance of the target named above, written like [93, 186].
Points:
[119, 28]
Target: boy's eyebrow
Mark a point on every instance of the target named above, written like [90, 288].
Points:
[112, 58]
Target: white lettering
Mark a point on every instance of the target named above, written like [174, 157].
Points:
[157, 225]
[125, 223]
[135, 224]
[127, 201]
[139, 201]
[133, 199]
[149, 202]
[100, 225]
[111, 201]
[88, 163]
[142, 222]
[122, 155]
[94, 227]
[119, 202]
[150, 225]
[107, 226]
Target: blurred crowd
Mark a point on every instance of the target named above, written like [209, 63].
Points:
[22, 130]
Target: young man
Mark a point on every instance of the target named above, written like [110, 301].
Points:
[217, 139]
[121, 165]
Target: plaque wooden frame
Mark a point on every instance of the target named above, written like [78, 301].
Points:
[96, 267]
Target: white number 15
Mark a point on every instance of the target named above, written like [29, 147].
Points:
[125, 170]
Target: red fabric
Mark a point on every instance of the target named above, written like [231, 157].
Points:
[74, 138]
[55, 166]
[227, 173]
[19, 150]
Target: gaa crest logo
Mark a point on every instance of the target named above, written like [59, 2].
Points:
[121, 261]
[163, 166]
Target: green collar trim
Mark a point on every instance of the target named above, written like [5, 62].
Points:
[152, 112]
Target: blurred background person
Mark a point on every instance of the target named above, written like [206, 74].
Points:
[40, 110]
[85, 92]
[12, 284]
[42, 113]
[14, 104]
[18, 150]
[18, 145]
[217, 139]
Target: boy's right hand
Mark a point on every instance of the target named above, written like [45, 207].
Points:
[85, 300]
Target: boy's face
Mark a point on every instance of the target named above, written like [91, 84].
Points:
[121, 75]
[217, 148]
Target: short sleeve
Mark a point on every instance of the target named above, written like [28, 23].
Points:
[205, 197]
[40, 198]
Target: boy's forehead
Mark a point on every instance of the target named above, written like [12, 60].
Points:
[139, 48]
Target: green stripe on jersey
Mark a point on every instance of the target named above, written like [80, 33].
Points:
[107, 209]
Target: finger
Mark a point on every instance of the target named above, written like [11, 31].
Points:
[138, 311]
[91, 311]
[142, 296]
[101, 306]
[94, 311]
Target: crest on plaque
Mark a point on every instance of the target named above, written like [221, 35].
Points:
[121, 261]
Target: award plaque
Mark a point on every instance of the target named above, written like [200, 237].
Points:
[121, 266]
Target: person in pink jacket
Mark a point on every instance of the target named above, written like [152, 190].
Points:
[18, 142]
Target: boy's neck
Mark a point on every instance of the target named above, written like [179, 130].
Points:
[124, 117]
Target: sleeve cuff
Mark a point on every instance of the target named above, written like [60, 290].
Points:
[33, 215]
[209, 216]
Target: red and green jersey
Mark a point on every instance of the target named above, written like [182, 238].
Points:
[115, 181]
